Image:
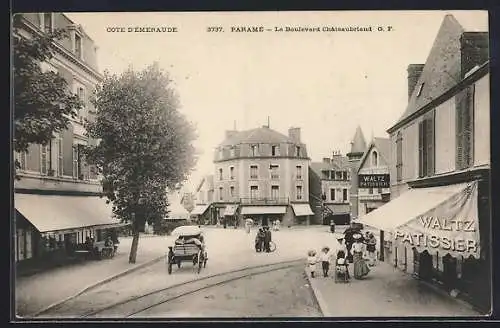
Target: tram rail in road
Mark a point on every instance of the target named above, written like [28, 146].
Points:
[134, 306]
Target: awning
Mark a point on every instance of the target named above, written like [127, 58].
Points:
[249, 210]
[61, 213]
[230, 210]
[438, 219]
[302, 209]
[199, 209]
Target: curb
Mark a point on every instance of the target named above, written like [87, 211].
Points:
[97, 284]
[318, 296]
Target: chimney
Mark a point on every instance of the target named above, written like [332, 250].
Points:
[414, 72]
[294, 134]
[326, 160]
[230, 133]
[474, 50]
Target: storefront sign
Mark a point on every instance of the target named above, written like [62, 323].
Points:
[374, 181]
[449, 235]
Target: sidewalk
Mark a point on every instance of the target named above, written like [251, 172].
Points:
[36, 292]
[385, 292]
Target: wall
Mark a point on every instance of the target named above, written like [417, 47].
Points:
[482, 121]
[445, 137]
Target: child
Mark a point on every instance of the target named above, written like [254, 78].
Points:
[311, 262]
[325, 260]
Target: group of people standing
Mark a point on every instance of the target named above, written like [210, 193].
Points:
[354, 248]
[263, 240]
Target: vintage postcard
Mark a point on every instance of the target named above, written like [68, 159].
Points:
[251, 165]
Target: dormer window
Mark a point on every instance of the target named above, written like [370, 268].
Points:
[297, 151]
[254, 150]
[374, 158]
[78, 46]
[275, 150]
[421, 86]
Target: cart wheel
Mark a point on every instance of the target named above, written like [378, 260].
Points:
[200, 261]
[272, 246]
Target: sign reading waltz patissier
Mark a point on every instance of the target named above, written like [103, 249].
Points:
[374, 181]
[451, 228]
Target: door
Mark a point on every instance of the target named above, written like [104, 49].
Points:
[425, 268]
[449, 271]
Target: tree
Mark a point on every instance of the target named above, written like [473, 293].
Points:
[145, 145]
[43, 102]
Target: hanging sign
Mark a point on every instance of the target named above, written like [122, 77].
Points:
[374, 181]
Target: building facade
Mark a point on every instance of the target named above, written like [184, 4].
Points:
[329, 185]
[204, 212]
[374, 176]
[263, 175]
[358, 148]
[439, 215]
[57, 197]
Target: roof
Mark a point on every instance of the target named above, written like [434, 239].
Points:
[207, 179]
[257, 135]
[358, 143]
[336, 163]
[383, 147]
[442, 69]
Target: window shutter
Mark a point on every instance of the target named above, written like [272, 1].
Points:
[421, 149]
[459, 162]
[430, 143]
[468, 124]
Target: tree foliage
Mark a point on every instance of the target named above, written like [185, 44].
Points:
[43, 102]
[145, 143]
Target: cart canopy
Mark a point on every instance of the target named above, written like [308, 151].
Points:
[188, 230]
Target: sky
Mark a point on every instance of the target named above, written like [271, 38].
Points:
[326, 83]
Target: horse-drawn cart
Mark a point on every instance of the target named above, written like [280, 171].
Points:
[189, 247]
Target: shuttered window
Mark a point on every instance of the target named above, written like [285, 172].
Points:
[399, 157]
[43, 159]
[464, 124]
[426, 145]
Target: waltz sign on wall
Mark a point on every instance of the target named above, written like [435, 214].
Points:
[374, 181]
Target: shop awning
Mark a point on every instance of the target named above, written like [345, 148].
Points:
[302, 209]
[63, 213]
[230, 210]
[443, 219]
[199, 209]
[250, 210]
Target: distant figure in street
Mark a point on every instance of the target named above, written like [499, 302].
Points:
[371, 248]
[341, 258]
[332, 226]
[267, 239]
[312, 259]
[325, 257]
[259, 240]
[358, 249]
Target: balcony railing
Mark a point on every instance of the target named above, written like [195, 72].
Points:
[264, 201]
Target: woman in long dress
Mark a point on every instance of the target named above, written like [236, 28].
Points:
[360, 267]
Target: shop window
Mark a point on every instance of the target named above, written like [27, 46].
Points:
[379, 190]
[370, 191]
[426, 145]
[399, 157]
[464, 123]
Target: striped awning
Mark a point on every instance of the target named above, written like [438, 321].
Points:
[302, 209]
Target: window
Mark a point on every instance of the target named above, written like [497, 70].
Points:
[254, 192]
[221, 191]
[254, 150]
[221, 153]
[332, 194]
[299, 172]
[47, 22]
[76, 164]
[275, 192]
[297, 151]
[332, 175]
[344, 175]
[43, 159]
[379, 190]
[21, 157]
[220, 174]
[338, 175]
[370, 191]
[231, 173]
[426, 145]
[299, 192]
[274, 171]
[464, 123]
[232, 152]
[399, 157]
[231, 191]
[60, 158]
[275, 150]
[344, 195]
[78, 46]
[374, 158]
[254, 172]
[420, 89]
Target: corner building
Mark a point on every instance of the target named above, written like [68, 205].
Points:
[262, 174]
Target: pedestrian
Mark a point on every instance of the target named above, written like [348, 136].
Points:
[358, 249]
[311, 262]
[267, 239]
[325, 257]
[371, 248]
[259, 240]
[332, 226]
[341, 258]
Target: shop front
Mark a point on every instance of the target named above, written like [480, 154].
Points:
[231, 216]
[434, 234]
[263, 215]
